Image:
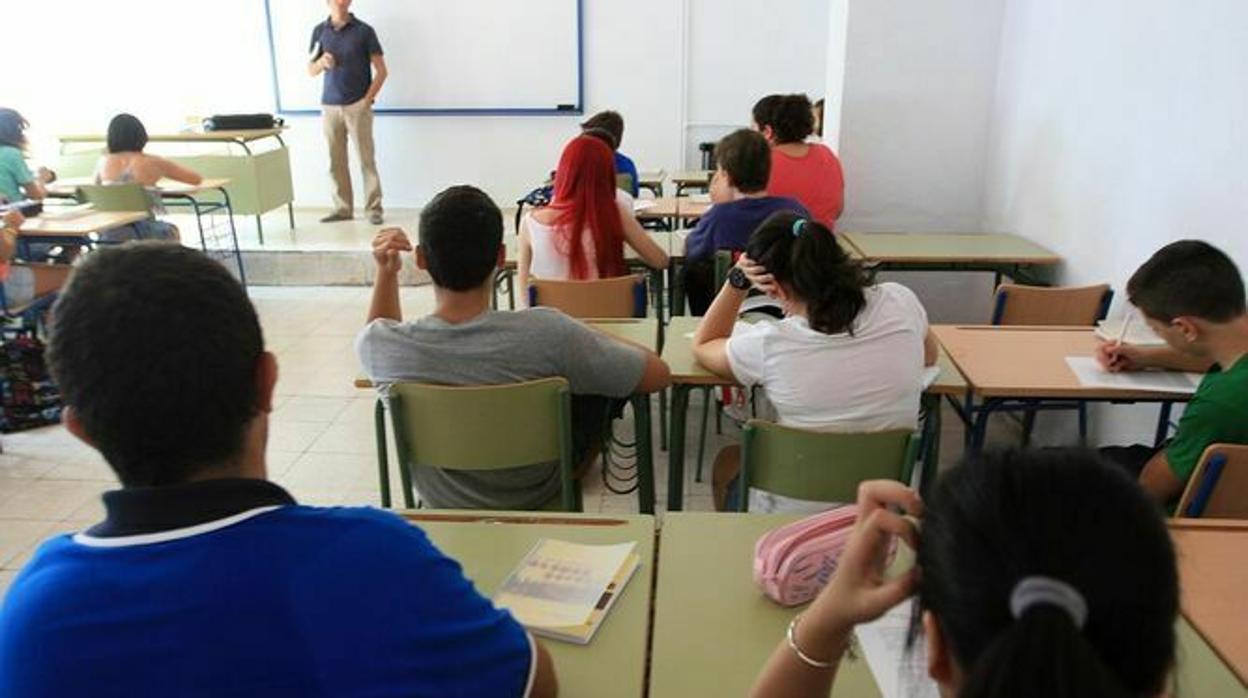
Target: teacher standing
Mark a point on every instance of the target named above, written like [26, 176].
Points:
[348, 55]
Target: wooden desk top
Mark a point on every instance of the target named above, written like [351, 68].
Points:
[692, 177]
[643, 331]
[1214, 583]
[80, 225]
[651, 178]
[69, 186]
[1025, 362]
[489, 545]
[713, 639]
[189, 136]
[966, 248]
[673, 207]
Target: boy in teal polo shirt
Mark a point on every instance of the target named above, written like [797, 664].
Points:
[1192, 295]
[17, 182]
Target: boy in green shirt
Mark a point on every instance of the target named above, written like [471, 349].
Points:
[1192, 295]
[17, 182]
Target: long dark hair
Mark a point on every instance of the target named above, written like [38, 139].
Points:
[12, 128]
[804, 255]
[126, 134]
[1066, 515]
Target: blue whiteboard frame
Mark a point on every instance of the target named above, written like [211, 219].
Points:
[575, 110]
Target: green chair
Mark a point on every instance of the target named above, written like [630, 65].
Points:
[624, 182]
[115, 197]
[488, 427]
[821, 466]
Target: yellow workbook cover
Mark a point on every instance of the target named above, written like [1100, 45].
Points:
[564, 590]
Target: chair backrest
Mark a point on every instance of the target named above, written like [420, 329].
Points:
[488, 427]
[620, 297]
[724, 259]
[821, 466]
[115, 197]
[1038, 305]
[1218, 488]
[624, 182]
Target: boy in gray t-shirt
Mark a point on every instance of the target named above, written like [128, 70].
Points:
[465, 343]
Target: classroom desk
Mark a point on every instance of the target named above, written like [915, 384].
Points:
[691, 179]
[1006, 367]
[642, 331]
[714, 642]
[713, 628]
[489, 545]
[674, 212]
[56, 228]
[179, 194]
[688, 374]
[652, 181]
[260, 180]
[1002, 254]
[1214, 584]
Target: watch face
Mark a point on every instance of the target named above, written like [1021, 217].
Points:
[737, 278]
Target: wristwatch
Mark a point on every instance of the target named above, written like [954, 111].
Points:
[738, 280]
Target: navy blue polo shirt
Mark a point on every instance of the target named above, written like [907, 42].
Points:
[353, 45]
[230, 588]
[728, 226]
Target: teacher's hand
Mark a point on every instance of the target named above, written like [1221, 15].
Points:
[388, 249]
[327, 61]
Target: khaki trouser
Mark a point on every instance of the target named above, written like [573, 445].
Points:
[354, 120]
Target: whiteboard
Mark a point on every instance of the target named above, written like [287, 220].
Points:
[445, 56]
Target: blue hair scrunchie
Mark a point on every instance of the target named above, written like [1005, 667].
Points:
[798, 226]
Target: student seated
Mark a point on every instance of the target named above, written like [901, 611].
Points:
[808, 172]
[848, 356]
[16, 180]
[739, 192]
[24, 283]
[465, 343]
[582, 233]
[612, 123]
[1192, 295]
[126, 163]
[205, 578]
[1030, 579]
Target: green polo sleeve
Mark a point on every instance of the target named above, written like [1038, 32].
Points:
[1199, 427]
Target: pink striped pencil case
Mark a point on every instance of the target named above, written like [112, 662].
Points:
[794, 562]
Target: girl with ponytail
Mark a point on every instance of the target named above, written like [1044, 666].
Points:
[582, 233]
[1039, 573]
[848, 356]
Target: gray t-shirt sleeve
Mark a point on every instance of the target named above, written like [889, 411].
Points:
[594, 363]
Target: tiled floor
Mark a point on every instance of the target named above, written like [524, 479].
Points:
[321, 444]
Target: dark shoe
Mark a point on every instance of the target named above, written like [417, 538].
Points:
[375, 218]
[336, 217]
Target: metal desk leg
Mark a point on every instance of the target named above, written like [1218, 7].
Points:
[931, 436]
[260, 229]
[1163, 424]
[663, 419]
[383, 470]
[676, 448]
[645, 454]
[290, 211]
[238, 254]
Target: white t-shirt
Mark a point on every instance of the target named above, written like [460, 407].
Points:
[870, 380]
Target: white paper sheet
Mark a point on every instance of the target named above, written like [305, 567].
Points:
[643, 204]
[1090, 375]
[899, 671]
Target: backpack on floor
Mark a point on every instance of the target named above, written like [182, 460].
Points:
[28, 398]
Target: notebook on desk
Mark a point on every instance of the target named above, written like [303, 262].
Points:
[1091, 375]
[564, 590]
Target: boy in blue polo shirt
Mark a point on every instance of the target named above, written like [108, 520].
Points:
[739, 192]
[611, 123]
[204, 578]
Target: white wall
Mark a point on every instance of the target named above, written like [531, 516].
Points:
[739, 52]
[1120, 126]
[219, 62]
[919, 78]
